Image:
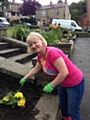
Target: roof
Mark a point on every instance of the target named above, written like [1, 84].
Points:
[18, 4]
[51, 6]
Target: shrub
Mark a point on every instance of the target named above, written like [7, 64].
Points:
[20, 32]
[53, 36]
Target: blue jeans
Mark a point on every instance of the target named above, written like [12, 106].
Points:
[70, 100]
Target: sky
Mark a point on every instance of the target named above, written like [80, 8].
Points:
[46, 2]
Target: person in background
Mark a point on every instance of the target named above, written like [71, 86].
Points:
[66, 76]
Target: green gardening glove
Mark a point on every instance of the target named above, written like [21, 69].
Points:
[48, 88]
[22, 81]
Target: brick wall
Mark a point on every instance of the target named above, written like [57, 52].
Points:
[88, 8]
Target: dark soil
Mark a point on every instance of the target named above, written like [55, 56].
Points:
[31, 92]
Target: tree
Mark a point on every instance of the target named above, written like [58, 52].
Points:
[29, 7]
[3, 4]
[77, 9]
[84, 0]
[75, 14]
[82, 6]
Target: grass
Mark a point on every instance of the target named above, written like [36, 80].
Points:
[10, 31]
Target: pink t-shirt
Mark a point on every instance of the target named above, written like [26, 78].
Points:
[74, 76]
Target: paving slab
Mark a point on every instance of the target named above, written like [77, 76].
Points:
[2, 59]
[18, 57]
[14, 69]
[15, 42]
[9, 50]
[47, 107]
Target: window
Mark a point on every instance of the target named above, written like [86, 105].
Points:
[43, 13]
[6, 13]
[56, 12]
[0, 20]
[10, 7]
[0, 9]
[44, 22]
[73, 24]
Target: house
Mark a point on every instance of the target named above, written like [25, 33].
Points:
[46, 13]
[13, 10]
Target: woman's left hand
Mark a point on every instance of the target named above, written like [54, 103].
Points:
[48, 88]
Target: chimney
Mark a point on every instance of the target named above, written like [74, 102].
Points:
[13, 1]
[60, 1]
[50, 2]
[65, 1]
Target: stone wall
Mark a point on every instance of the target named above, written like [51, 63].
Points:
[3, 32]
[15, 42]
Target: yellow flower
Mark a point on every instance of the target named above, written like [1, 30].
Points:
[19, 95]
[6, 99]
[14, 99]
[21, 102]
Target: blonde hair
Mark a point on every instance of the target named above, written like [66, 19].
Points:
[31, 36]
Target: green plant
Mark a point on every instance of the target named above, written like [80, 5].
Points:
[69, 34]
[37, 30]
[20, 32]
[64, 30]
[52, 37]
[10, 30]
[14, 99]
[64, 40]
[81, 33]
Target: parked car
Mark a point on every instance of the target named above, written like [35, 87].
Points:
[88, 31]
[4, 22]
[2, 25]
[26, 24]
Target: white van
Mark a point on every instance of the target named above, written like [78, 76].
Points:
[3, 22]
[69, 24]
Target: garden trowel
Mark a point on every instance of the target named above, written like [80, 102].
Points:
[20, 88]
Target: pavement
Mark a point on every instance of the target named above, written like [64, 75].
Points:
[81, 58]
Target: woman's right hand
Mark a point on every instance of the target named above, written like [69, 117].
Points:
[22, 81]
